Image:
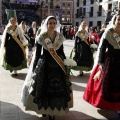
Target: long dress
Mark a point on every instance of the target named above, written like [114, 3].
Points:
[49, 90]
[14, 58]
[83, 54]
[105, 92]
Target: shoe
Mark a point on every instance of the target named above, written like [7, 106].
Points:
[44, 115]
[11, 71]
[51, 117]
[81, 74]
[15, 74]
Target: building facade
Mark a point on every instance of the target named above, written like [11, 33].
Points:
[26, 10]
[62, 9]
[94, 12]
[67, 12]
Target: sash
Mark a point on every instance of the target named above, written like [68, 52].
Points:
[20, 44]
[53, 52]
[83, 37]
[18, 41]
[116, 36]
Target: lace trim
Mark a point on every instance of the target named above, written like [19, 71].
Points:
[110, 38]
[59, 39]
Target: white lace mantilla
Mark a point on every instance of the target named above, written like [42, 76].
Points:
[59, 39]
[18, 32]
[111, 39]
[82, 36]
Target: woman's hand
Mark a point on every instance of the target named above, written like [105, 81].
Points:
[101, 66]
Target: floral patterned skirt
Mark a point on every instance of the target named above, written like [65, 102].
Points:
[50, 91]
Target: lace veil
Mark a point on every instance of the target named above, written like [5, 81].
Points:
[110, 25]
[30, 74]
[2, 48]
[80, 27]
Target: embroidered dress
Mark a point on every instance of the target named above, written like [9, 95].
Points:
[83, 54]
[14, 58]
[50, 89]
[105, 92]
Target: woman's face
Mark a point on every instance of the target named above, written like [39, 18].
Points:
[84, 25]
[13, 21]
[117, 21]
[51, 24]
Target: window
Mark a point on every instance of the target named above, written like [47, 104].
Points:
[84, 2]
[63, 4]
[80, 11]
[84, 11]
[91, 12]
[100, 10]
[51, 4]
[92, 1]
[68, 12]
[77, 23]
[77, 3]
[68, 4]
[99, 23]
[91, 23]
[77, 14]
[68, 20]
[109, 6]
[100, 0]
[63, 12]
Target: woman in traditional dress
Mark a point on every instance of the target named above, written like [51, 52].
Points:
[49, 87]
[13, 56]
[83, 54]
[24, 28]
[103, 88]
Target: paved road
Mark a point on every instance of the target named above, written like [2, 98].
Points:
[12, 108]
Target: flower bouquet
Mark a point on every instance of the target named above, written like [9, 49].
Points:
[69, 63]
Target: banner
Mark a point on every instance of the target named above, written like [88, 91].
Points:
[35, 1]
[10, 13]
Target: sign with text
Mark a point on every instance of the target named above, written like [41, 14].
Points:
[35, 1]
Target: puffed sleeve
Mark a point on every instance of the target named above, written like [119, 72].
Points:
[22, 37]
[102, 51]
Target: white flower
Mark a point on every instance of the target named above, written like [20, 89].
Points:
[93, 46]
[25, 43]
[70, 62]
